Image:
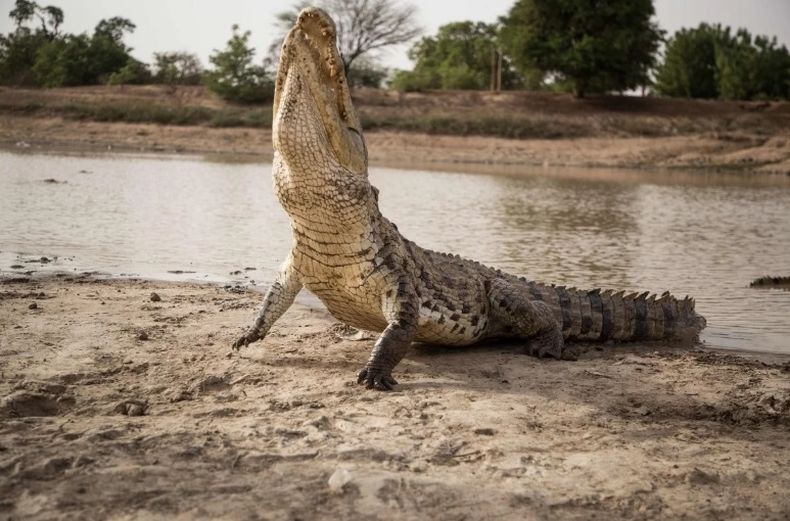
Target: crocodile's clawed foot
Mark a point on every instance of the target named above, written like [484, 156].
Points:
[376, 379]
[245, 340]
[550, 344]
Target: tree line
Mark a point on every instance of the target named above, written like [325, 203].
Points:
[37, 53]
[579, 46]
[594, 46]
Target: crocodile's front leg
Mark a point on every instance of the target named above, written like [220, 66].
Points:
[278, 299]
[401, 313]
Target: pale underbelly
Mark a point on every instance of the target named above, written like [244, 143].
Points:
[363, 311]
[352, 306]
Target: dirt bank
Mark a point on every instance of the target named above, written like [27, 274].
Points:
[114, 405]
[419, 128]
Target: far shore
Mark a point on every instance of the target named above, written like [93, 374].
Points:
[467, 129]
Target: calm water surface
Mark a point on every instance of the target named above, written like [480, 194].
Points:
[705, 235]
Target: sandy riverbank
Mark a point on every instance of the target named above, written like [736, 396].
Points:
[769, 155]
[634, 432]
[469, 128]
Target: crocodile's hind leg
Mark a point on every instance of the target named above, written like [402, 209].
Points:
[532, 320]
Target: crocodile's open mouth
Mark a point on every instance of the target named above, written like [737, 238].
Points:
[310, 51]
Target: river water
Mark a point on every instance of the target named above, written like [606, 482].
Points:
[702, 234]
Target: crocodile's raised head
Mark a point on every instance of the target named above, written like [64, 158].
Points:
[313, 114]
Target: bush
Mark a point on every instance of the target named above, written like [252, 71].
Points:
[133, 73]
[710, 62]
[48, 58]
[364, 73]
[234, 76]
[177, 68]
[457, 57]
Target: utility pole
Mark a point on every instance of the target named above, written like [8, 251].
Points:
[496, 70]
[493, 69]
[499, 71]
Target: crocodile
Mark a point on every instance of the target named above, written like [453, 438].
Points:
[372, 278]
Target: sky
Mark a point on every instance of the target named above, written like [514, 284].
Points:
[201, 26]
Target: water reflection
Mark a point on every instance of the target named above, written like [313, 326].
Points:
[702, 234]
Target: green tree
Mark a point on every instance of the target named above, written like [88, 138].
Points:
[18, 54]
[736, 66]
[64, 62]
[18, 49]
[45, 57]
[107, 52]
[689, 66]
[593, 45]
[459, 56]
[82, 60]
[177, 68]
[114, 29]
[772, 69]
[234, 76]
[709, 61]
[50, 17]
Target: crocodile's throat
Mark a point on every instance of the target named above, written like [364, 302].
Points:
[313, 113]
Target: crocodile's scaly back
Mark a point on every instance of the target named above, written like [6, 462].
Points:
[369, 276]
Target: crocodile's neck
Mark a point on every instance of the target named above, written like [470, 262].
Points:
[320, 165]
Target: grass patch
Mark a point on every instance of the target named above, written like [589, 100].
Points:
[138, 113]
[252, 118]
[536, 127]
[500, 121]
[147, 113]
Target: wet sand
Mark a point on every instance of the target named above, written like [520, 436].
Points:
[114, 405]
[712, 151]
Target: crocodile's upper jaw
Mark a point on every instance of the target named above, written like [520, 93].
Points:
[311, 72]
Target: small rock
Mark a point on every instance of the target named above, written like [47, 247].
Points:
[40, 386]
[155, 297]
[33, 306]
[179, 395]
[82, 460]
[485, 431]
[700, 477]
[208, 383]
[339, 479]
[321, 423]
[142, 335]
[131, 407]
[48, 469]
[25, 403]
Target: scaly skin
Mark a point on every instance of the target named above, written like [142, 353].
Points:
[370, 277]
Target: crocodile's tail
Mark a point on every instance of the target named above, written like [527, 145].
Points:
[598, 316]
